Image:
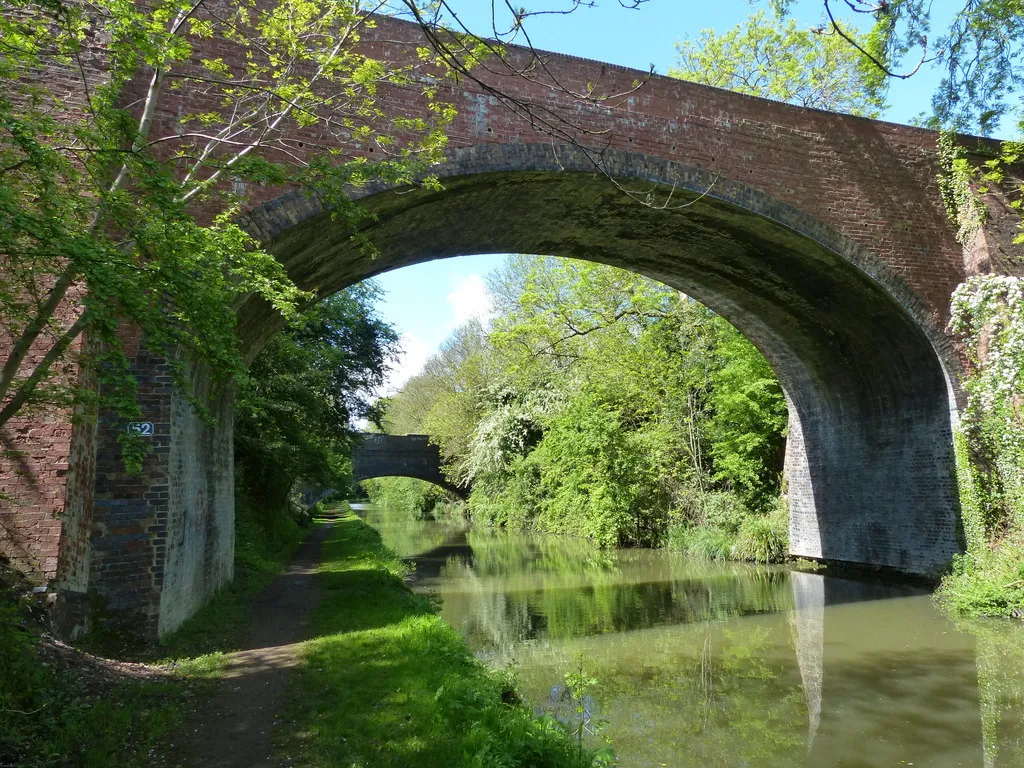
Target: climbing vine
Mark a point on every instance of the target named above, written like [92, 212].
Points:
[962, 206]
[987, 313]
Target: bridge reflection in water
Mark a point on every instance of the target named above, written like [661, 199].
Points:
[717, 664]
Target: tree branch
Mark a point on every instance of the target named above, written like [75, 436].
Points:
[28, 386]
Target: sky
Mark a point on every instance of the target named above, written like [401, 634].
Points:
[428, 301]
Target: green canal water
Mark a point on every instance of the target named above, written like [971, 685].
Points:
[711, 664]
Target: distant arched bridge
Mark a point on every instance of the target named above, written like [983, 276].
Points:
[400, 456]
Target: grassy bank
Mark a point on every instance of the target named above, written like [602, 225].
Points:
[988, 581]
[388, 683]
[726, 530]
[716, 525]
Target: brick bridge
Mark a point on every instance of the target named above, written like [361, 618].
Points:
[822, 237]
[400, 456]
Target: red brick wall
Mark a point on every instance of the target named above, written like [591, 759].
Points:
[36, 451]
[33, 471]
[874, 182]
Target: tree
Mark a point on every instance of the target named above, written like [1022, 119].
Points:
[294, 414]
[772, 58]
[98, 208]
[747, 428]
[612, 404]
[548, 306]
[981, 52]
[444, 400]
[99, 200]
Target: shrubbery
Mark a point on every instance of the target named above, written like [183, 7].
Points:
[731, 532]
[765, 538]
[264, 536]
[423, 500]
[606, 406]
[55, 713]
[989, 579]
[702, 542]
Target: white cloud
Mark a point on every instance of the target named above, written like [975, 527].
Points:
[412, 358]
[469, 299]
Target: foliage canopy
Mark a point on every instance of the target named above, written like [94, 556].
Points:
[295, 412]
[108, 215]
[599, 404]
[773, 58]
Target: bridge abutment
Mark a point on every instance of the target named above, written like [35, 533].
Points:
[145, 550]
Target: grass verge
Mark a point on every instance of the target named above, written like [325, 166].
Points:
[62, 707]
[388, 683]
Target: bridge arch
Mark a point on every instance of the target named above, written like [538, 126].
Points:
[400, 456]
[867, 371]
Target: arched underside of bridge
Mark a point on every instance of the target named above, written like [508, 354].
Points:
[429, 478]
[869, 457]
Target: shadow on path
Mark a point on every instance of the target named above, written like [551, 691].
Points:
[233, 729]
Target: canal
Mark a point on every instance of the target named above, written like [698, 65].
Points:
[725, 664]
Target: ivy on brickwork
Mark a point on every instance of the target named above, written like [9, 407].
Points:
[962, 206]
[972, 503]
[987, 312]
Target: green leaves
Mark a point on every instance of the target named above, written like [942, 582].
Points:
[977, 51]
[774, 58]
[601, 404]
[295, 412]
[109, 213]
[749, 421]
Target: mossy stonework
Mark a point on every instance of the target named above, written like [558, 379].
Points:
[822, 237]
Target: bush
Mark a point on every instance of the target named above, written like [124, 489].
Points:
[511, 500]
[765, 538]
[24, 683]
[51, 714]
[990, 583]
[417, 497]
[725, 511]
[264, 538]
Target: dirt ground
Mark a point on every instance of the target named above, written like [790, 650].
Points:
[234, 727]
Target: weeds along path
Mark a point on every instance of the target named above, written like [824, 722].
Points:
[345, 666]
[233, 729]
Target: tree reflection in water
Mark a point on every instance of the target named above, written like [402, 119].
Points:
[724, 664]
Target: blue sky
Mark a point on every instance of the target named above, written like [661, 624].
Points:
[427, 302]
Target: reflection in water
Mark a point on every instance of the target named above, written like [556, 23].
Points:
[1001, 691]
[715, 664]
[809, 624]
